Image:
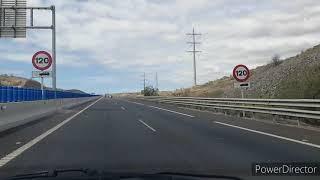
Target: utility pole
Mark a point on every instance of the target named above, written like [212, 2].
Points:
[157, 80]
[194, 51]
[144, 83]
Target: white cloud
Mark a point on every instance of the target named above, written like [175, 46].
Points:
[149, 35]
[16, 72]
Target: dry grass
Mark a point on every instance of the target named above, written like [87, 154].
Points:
[294, 77]
[18, 81]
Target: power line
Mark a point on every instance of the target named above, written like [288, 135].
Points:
[194, 51]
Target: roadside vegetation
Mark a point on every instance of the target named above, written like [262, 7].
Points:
[293, 77]
[150, 91]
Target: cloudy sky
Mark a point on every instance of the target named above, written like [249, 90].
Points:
[107, 45]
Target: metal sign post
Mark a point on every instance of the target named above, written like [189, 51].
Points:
[54, 67]
[241, 74]
[42, 75]
[10, 25]
[41, 60]
[242, 93]
[42, 91]
[242, 97]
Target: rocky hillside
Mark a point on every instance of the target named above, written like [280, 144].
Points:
[294, 77]
[6, 80]
[76, 91]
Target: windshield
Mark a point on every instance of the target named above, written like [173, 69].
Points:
[226, 88]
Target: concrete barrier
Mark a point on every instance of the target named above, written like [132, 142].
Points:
[16, 114]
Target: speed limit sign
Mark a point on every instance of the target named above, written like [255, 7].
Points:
[42, 60]
[241, 73]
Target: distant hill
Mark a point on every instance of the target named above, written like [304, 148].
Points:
[294, 77]
[6, 80]
[76, 91]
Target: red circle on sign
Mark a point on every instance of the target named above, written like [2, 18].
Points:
[49, 60]
[235, 75]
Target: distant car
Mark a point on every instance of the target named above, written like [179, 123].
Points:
[108, 96]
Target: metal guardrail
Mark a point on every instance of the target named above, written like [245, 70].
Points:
[300, 108]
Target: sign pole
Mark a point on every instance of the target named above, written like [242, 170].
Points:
[242, 97]
[241, 74]
[42, 91]
[42, 61]
[54, 71]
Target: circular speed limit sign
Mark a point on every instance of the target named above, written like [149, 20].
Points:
[241, 73]
[42, 60]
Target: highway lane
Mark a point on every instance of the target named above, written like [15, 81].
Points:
[16, 137]
[117, 135]
[301, 134]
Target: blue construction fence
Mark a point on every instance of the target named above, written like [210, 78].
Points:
[16, 94]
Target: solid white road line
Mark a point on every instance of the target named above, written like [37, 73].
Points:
[17, 152]
[147, 125]
[268, 134]
[123, 108]
[171, 111]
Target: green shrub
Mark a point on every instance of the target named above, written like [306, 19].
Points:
[304, 85]
[150, 91]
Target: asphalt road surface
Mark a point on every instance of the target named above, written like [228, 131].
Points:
[127, 135]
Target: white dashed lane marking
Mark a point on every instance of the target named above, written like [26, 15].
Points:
[147, 125]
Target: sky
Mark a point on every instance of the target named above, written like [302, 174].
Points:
[107, 45]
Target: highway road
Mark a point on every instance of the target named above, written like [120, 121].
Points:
[128, 135]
